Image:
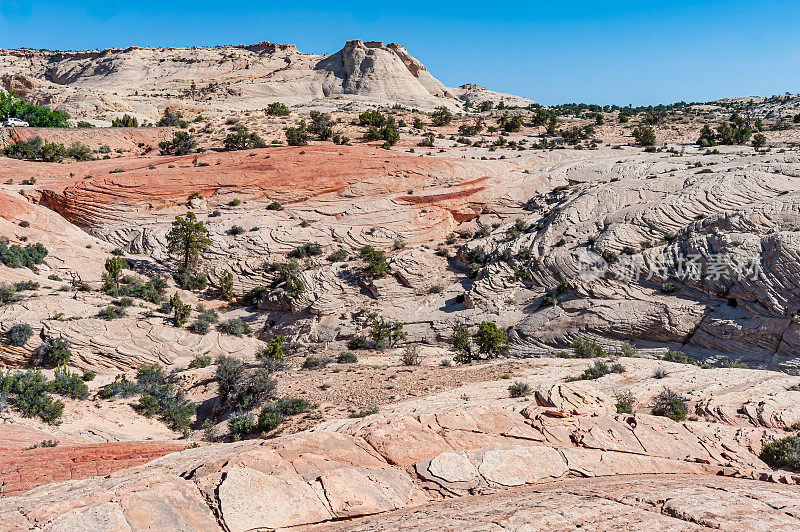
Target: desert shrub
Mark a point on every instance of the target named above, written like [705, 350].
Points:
[759, 140]
[587, 348]
[28, 393]
[782, 453]
[241, 390]
[226, 285]
[68, 384]
[19, 334]
[678, 356]
[289, 406]
[338, 256]
[670, 404]
[274, 206]
[491, 340]
[387, 132]
[169, 119]
[125, 121]
[252, 297]
[22, 286]
[644, 135]
[660, 373]
[120, 388]
[625, 402]
[309, 249]
[313, 362]
[595, 371]
[364, 413]
[200, 361]
[376, 263]
[346, 357]
[189, 280]
[273, 350]
[297, 136]
[55, 352]
[111, 312]
[170, 404]
[240, 425]
[385, 333]
[628, 349]
[461, 344]
[321, 124]
[510, 123]
[8, 294]
[242, 139]
[204, 320]
[182, 143]
[180, 310]
[268, 419]
[519, 389]
[236, 230]
[441, 116]
[277, 109]
[411, 356]
[88, 376]
[80, 151]
[371, 118]
[22, 257]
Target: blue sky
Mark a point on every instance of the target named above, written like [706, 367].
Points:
[627, 52]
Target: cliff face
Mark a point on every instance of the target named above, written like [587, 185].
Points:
[103, 83]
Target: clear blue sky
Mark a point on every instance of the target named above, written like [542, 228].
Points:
[636, 52]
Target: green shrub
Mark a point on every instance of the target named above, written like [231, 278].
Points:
[625, 402]
[491, 340]
[68, 384]
[385, 333]
[338, 256]
[595, 371]
[252, 297]
[519, 389]
[28, 392]
[18, 257]
[188, 280]
[289, 406]
[313, 362]
[782, 453]
[120, 388]
[88, 376]
[644, 135]
[346, 357]
[268, 419]
[297, 136]
[310, 249]
[364, 413]
[411, 356]
[678, 356]
[441, 116]
[182, 143]
[125, 121]
[240, 425]
[8, 294]
[19, 334]
[274, 206]
[587, 348]
[670, 404]
[277, 109]
[376, 263]
[273, 351]
[235, 327]
[80, 151]
[55, 352]
[242, 139]
[111, 312]
[200, 361]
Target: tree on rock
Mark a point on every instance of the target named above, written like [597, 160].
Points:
[491, 340]
[113, 274]
[187, 240]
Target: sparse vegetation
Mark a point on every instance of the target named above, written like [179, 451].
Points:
[670, 404]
